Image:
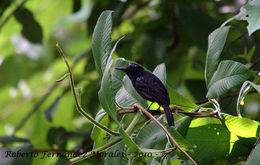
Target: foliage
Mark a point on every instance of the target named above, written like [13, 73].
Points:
[218, 74]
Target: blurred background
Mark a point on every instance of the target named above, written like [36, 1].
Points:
[36, 108]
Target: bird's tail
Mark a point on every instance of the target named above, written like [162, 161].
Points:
[168, 114]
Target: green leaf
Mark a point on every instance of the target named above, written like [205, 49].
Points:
[120, 151]
[254, 158]
[31, 28]
[241, 127]
[117, 75]
[132, 146]
[106, 95]
[151, 136]
[210, 139]
[97, 135]
[179, 138]
[178, 99]
[257, 87]
[101, 41]
[131, 90]
[124, 99]
[228, 75]
[250, 12]
[160, 72]
[216, 42]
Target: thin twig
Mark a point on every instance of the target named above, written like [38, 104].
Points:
[78, 106]
[165, 130]
[11, 13]
[45, 96]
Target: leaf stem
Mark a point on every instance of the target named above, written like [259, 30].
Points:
[78, 106]
[133, 123]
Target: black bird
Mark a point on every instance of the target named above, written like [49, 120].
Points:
[149, 87]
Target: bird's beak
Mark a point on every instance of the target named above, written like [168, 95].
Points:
[121, 68]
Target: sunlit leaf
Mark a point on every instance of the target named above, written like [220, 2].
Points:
[242, 127]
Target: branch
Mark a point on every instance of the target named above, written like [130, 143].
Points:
[78, 106]
[165, 130]
[176, 109]
[11, 13]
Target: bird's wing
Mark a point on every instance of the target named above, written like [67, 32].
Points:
[151, 88]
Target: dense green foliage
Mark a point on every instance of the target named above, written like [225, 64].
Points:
[208, 59]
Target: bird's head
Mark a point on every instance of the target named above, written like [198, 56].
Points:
[131, 69]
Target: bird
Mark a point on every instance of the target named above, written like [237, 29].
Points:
[149, 87]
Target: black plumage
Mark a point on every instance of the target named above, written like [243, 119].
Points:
[149, 87]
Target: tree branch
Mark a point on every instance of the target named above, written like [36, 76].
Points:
[165, 130]
[176, 109]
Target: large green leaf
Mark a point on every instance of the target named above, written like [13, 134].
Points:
[254, 158]
[151, 136]
[228, 75]
[250, 12]
[211, 140]
[101, 41]
[241, 127]
[106, 95]
[132, 146]
[216, 42]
